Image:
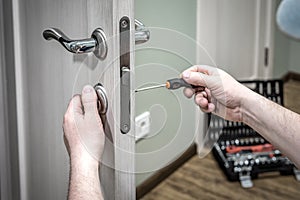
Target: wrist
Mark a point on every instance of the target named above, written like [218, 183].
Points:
[249, 107]
[83, 160]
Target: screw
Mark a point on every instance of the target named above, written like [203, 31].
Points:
[124, 23]
[125, 128]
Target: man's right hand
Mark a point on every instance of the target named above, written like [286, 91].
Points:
[223, 95]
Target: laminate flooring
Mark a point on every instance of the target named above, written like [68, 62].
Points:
[203, 179]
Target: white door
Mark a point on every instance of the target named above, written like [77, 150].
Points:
[237, 34]
[47, 76]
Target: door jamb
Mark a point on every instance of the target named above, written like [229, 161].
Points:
[9, 165]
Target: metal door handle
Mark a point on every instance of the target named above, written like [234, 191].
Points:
[96, 44]
[142, 34]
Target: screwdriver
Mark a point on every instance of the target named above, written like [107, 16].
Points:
[172, 84]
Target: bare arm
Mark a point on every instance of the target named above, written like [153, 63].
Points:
[277, 124]
[84, 179]
[227, 98]
[84, 140]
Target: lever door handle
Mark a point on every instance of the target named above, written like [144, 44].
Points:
[142, 34]
[97, 42]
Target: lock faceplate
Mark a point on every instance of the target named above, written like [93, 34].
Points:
[124, 27]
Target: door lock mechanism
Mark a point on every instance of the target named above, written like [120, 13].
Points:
[97, 42]
[102, 99]
[124, 27]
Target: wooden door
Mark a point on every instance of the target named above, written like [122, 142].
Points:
[47, 76]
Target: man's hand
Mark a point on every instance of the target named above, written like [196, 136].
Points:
[226, 97]
[83, 130]
[223, 95]
[84, 138]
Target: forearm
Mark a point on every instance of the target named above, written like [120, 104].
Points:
[84, 180]
[277, 124]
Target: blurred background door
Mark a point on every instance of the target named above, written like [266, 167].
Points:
[238, 34]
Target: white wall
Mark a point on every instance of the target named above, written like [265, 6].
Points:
[171, 49]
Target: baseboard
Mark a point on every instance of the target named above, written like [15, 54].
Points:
[163, 173]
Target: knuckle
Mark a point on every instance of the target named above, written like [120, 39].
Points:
[67, 118]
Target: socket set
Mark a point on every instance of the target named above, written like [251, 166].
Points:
[240, 151]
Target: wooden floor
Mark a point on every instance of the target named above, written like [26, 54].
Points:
[203, 179]
[292, 95]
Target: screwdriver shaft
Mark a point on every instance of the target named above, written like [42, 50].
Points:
[151, 87]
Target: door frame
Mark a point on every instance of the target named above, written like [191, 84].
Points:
[125, 143]
[9, 165]
[5, 186]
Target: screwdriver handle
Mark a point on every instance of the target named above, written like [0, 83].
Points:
[175, 83]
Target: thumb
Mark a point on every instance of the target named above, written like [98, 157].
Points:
[89, 100]
[196, 78]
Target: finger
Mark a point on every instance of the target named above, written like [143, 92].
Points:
[193, 75]
[208, 92]
[205, 110]
[205, 69]
[188, 92]
[67, 144]
[195, 78]
[209, 109]
[74, 111]
[199, 89]
[201, 100]
[89, 100]
[204, 94]
[75, 105]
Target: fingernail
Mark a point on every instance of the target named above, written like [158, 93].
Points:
[186, 74]
[87, 89]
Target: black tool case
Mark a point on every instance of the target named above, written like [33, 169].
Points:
[240, 151]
